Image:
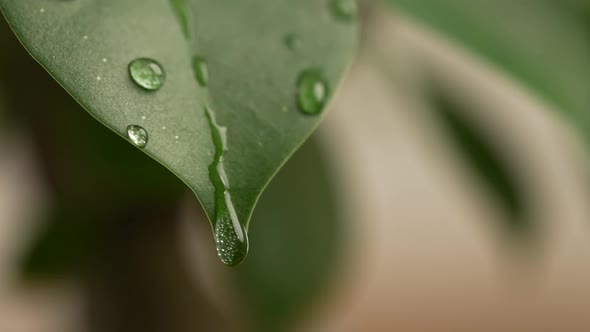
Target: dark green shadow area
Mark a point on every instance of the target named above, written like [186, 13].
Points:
[296, 233]
[91, 174]
[485, 160]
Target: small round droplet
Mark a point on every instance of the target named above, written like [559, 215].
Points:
[292, 41]
[85, 37]
[105, 60]
[201, 71]
[137, 135]
[147, 73]
[164, 127]
[344, 10]
[144, 117]
[42, 10]
[312, 92]
[98, 78]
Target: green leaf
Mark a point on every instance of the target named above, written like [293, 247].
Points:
[252, 76]
[99, 170]
[544, 43]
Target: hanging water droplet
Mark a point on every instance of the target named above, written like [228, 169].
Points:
[231, 237]
[312, 92]
[147, 73]
[292, 41]
[344, 10]
[137, 135]
[231, 240]
[200, 69]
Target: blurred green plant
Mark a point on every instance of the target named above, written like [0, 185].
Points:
[544, 44]
[485, 158]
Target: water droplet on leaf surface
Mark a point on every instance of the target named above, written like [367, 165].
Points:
[231, 237]
[147, 73]
[344, 10]
[312, 92]
[292, 41]
[137, 135]
[200, 69]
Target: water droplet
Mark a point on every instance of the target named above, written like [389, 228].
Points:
[231, 237]
[85, 37]
[144, 117]
[344, 10]
[312, 92]
[147, 73]
[42, 10]
[200, 69]
[292, 41]
[164, 127]
[176, 137]
[98, 78]
[105, 60]
[137, 135]
[179, 7]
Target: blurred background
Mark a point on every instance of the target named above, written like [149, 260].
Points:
[442, 193]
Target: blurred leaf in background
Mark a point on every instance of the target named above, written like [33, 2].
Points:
[66, 246]
[485, 159]
[297, 233]
[545, 44]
